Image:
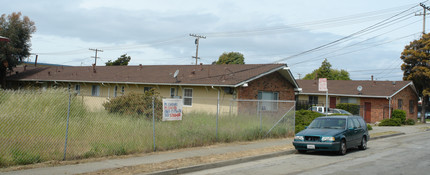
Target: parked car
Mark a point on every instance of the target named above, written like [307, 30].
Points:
[333, 133]
[427, 114]
[319, 109]
[338, 111]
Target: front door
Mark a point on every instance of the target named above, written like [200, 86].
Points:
[367, 112]
[332, 102]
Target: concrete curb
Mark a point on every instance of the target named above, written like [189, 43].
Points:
[222, 163]
[240, 160]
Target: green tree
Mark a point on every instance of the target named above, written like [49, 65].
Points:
[18, 29]
[121, 61]
[325, 71]
[231, 58]
[416, 68]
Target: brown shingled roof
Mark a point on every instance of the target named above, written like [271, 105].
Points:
[379, 89]
[220, 75]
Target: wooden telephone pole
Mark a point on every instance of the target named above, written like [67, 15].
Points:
[424, 16]
[197, 45]
[95, 57]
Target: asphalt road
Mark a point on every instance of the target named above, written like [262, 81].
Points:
[405, 154]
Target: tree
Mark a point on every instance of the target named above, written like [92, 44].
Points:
[121, 61]
[325, 71]
[18, 29]
[416, 67]
[231, 58]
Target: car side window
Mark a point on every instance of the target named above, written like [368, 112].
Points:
[356, 123]
[350, 124]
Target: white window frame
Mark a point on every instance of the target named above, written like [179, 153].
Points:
[187, 97]
[172, 92]
[78, 89]
[269, 106]
[115, 91]
[95, 90]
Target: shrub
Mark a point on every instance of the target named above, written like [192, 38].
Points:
[400, 114]
[304, 118]
[136, 103]
[369, 127]
[350, 107]
[391, 122]
[410, 122]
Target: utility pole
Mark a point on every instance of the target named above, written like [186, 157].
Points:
[197, 45]
[424, 16]
[95, 57]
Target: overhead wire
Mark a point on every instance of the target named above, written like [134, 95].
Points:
[379, 24]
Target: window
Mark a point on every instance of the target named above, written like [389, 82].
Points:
[95, 90]
[350, 124]
[411, 106]
[145, 89]
[78, 89]
[348, 100]
[313, 100]
[115, 91]
[399, 104]
[188, 97]
[122, 90]
[269, 102]
[172, 92]
[356, 123]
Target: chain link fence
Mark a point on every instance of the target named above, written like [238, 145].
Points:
[37, 126]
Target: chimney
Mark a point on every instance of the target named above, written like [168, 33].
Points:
[35, 62]
[140, 66]
[371, 77]
[94, 68]
[201, 66]
[25, 67]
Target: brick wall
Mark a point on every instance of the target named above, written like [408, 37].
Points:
[273, 82]
[378, 111]
[380, 106]
[406, 95]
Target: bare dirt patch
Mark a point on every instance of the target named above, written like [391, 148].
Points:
[185, 162]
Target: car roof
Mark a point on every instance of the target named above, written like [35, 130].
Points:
[341, 116]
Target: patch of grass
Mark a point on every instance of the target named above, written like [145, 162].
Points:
[24, 158]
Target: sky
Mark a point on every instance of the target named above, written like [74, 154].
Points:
[363, 37]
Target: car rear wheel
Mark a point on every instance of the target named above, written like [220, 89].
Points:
[363, 144]
[342, 148]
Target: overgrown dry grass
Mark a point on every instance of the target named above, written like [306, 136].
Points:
[33, 129]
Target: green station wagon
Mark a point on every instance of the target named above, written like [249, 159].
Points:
[333, 133]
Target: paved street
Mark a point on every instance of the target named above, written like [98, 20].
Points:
[406, 154]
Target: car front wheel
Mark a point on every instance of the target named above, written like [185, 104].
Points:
[363, 144]
[342, 148]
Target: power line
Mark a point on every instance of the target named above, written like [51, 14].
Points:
[379, 24]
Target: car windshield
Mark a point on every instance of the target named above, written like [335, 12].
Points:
[328, 123]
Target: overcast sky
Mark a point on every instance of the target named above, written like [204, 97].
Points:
[364, 37]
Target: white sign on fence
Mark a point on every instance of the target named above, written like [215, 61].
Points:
[172, 109]
[322, 84]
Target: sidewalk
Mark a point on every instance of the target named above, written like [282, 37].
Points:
[221, 149]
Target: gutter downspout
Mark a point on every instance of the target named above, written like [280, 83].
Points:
[389, 107]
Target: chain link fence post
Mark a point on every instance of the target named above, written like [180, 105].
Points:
[67, 126]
